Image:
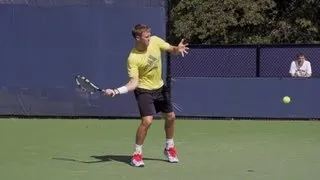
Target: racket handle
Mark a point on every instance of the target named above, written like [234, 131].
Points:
[115, 92]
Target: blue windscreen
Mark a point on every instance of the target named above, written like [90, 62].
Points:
[44, 45]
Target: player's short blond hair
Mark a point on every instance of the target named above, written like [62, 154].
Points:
[139, 29]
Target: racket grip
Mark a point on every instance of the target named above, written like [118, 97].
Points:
[115, 92]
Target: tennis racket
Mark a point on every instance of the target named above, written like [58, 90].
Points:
[86, 85]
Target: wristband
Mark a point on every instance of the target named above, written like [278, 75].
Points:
[122, 90]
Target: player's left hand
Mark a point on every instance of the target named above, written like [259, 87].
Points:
[182, 47]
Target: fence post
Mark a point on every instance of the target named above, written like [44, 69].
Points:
[168, 57]
[258, 48]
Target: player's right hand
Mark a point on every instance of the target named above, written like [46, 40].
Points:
[109, 92]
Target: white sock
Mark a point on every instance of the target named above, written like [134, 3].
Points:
[169, 143]
[138, 149]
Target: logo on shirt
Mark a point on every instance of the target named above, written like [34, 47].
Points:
[152, 63]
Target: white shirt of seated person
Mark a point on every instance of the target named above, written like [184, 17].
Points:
[300, 68]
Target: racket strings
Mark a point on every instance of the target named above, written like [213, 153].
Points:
[85, 85]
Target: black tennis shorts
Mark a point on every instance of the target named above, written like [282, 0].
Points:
[151, 102]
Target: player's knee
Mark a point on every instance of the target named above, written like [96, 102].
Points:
[146, 121]
[170, 116]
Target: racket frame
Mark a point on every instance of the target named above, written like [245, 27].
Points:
[86, 80]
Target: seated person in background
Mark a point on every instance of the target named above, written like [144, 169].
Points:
[300, 67]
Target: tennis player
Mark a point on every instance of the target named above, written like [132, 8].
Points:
[145, 79]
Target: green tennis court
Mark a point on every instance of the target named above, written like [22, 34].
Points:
[100, 149]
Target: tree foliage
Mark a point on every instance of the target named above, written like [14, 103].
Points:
[245, 21]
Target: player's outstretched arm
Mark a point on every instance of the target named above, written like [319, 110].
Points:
[130, 86]
[180, 49]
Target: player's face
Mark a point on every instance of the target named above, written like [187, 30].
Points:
[144, 38]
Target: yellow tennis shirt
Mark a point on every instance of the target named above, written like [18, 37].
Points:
[148, 65]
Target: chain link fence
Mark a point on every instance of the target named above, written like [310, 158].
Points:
[276, 61]
[243, 61]
[215, 62]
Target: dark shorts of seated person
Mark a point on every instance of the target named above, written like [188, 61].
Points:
[151, 102]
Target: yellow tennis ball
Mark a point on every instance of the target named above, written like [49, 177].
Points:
[286, 99]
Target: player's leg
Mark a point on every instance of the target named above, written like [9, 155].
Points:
[146, 108]
[169, 127]
[142, 132]
[163, 104]
[170, 149]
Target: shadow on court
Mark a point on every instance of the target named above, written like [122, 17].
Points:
[107, 158]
